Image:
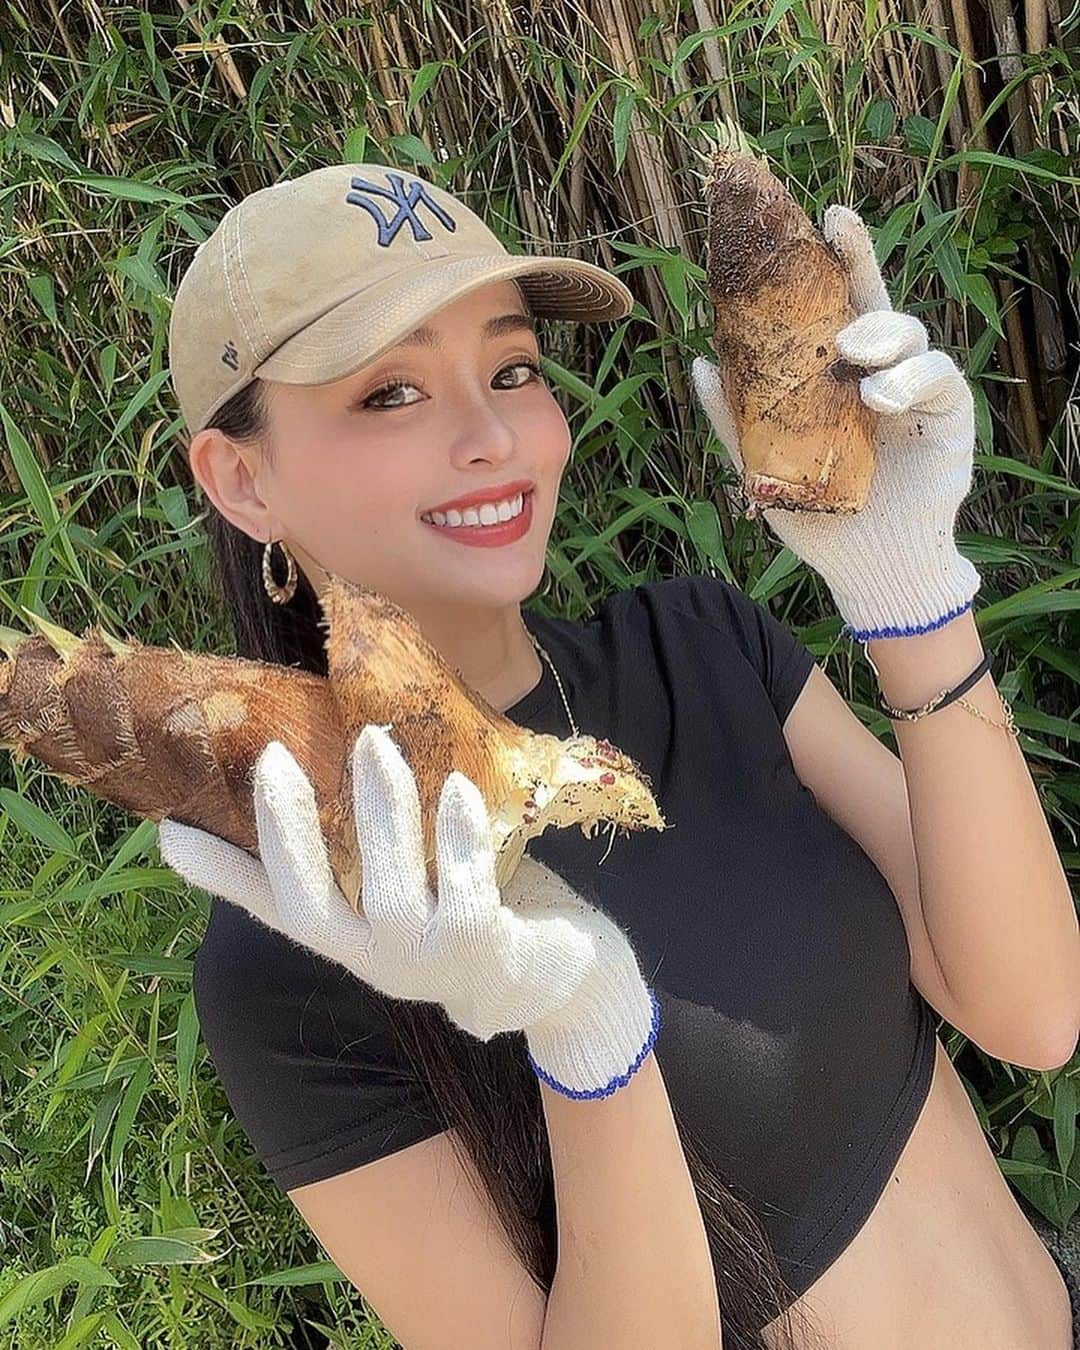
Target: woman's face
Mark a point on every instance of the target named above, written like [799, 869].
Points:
[357, 462]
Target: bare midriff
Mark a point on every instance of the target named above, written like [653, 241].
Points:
[947, 1260]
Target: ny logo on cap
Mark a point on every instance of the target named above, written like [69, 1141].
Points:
[405, 199]
[229, 356]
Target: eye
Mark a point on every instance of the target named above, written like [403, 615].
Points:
[375, 401]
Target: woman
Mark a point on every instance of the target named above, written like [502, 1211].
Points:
[770, 1129]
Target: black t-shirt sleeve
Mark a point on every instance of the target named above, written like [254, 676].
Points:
[782, 662]
[305, 1053]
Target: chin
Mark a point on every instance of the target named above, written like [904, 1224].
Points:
[487, 582]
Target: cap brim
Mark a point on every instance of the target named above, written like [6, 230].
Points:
[360, 329]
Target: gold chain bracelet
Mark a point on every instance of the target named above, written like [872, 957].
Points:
[1008, 725]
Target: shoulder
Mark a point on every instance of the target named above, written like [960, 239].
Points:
[709, 607]
[699, 596]
[721, 624]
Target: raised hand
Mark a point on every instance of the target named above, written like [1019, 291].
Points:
[893, 568]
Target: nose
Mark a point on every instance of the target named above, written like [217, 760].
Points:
[479, 428]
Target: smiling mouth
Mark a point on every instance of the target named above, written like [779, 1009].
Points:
[479, 517]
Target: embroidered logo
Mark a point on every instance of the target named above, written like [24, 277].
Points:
[406, 198]
[229, 357]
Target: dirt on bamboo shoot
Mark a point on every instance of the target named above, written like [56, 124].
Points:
[780, 295]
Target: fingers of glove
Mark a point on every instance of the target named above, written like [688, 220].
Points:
[847, 233]
[929, 383]
[386, 808]
[469, 900]
[709, 387]
[882, 338]
[310, 906]
[213, 864]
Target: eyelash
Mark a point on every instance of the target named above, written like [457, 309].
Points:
[393, 385]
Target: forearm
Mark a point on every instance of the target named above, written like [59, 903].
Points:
[995, 899]
[633, 1254]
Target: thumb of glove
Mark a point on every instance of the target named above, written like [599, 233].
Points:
[709, 388]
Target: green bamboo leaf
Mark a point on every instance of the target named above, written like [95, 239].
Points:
[777, 571]
[410, 148]
[625, 104]
[143, 274]
[1015, 1168]
[317, 1273]
[609, 404]
[187, 1041]
[84, 1040]
[152, 964]
[134, 1093]
[578, 129]
[38, 491]
[158, 1251]
[689, 45]
[421, 82]
[651, 507]
[36, 1288]
[44, 148]
[1041, 598]
[1006, 162]
[140, 399]
[1017, 469]
[89, 1078]
[703, 526]
[128, 189]
[981, 293]
[83, 1331]
[120, 1332]
[44, 292]
[1066, 1105]
[104, 1115]
[775, 15]
[33, 821]
[890, 234]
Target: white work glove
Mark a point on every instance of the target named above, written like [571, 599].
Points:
[893, 567]
[545, 962]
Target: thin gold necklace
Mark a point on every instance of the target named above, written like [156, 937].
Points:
[562, 691]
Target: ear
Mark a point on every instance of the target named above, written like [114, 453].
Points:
[226, 470]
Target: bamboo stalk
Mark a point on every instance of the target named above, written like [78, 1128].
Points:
[938, 25]
[1045, 296]
[715, 60]
[972, 88]
[1007, 41]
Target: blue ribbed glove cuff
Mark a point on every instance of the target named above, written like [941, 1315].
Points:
[582, 1059]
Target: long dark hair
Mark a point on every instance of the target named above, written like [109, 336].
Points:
[486, 1091]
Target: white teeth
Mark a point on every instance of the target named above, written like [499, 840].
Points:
[489, 514]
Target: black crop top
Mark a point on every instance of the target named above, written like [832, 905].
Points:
[792, 1041]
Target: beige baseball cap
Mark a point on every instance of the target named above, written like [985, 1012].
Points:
[310, 279]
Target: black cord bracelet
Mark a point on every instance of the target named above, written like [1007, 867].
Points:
[942, 700]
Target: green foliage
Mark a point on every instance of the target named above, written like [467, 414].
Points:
[134, 1213]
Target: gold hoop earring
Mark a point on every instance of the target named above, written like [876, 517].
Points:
[281, 595]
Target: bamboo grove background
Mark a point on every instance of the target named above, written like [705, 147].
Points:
[133, 1211]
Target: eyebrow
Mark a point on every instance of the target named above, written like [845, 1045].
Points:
[493, 328]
